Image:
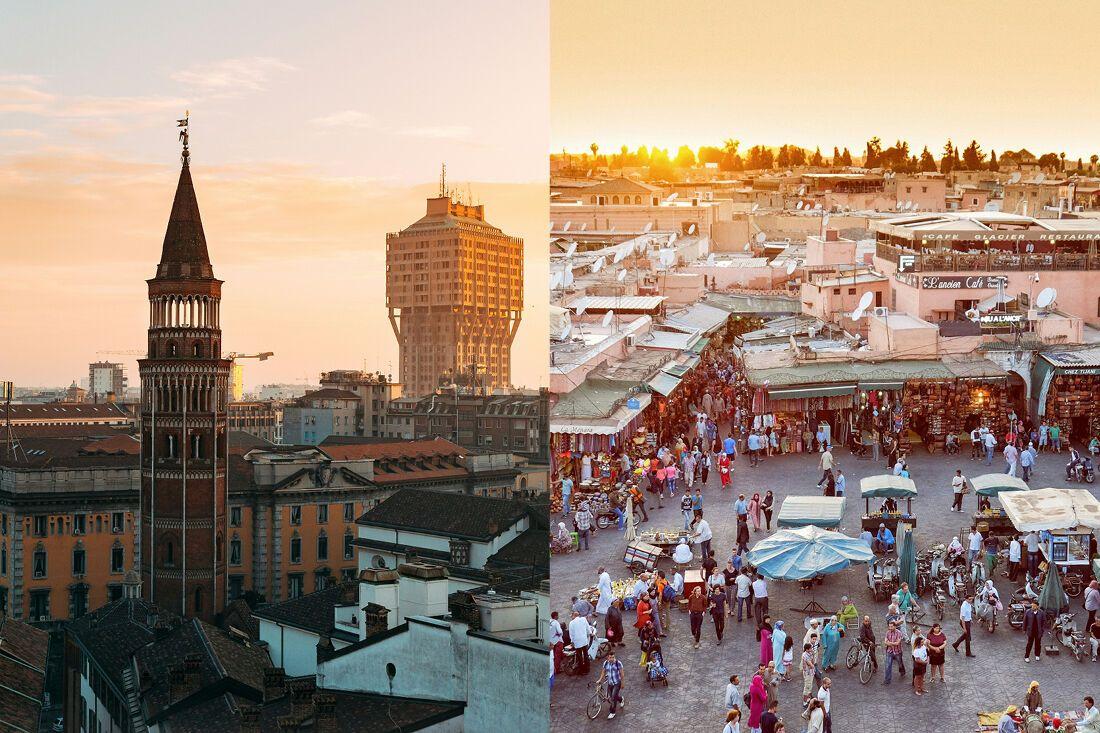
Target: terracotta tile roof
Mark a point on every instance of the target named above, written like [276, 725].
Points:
[69, 431]
[115, 445]
[22, 674]
[65, 453]
[69, 411]
[112, 633]
[452, 515]
[313, 611]
[391, 449]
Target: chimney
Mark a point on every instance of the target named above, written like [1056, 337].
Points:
[424, 590]
[301, 698]
[375, 619]
[250, 719]
[273, 683]
[379, 588]
[832, 235]
[325, 714]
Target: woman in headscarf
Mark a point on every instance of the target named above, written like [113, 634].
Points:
[1034, 699]
[758, 699]
[955, 552]
[779, 637]
[766, 506]
[771, 682]
[830, 644]
[562, 541]
[754, 511]
[765, 645]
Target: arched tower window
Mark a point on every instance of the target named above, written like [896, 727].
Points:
[220, 550]
[198, 600]
[169, 553]
[614, 199]
[171, 348]
[196, 349]
[152, 349]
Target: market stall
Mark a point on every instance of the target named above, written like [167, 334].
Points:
[801, 511]
[1066, 520]
[887, 487]
[665, 539]
[990, 519]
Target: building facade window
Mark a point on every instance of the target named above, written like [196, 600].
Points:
[236, 587]
[296, 550]
[294, 585]
[296, 515]
[118, 559]
[322, 514]
[40, 605]
[39, 562]
[349, 512]
[235, 551]
[235, 516]
[80, 524]
[40, 526]
[321, 579]
[78, 601]
[322, 546]
[118, 522]
[349, 548]
[80, 562]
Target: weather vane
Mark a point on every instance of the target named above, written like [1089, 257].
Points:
[186, 157]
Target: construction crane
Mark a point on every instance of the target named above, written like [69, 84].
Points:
[121, 352]
[262, 356]
[237, 372]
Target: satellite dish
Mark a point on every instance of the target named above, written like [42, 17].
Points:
[598, 264]
[673, 196]
[556, 279]
[973, 314]
[620, 254]
[1040, 177]
[908, 205]
[865, 301]
[899, 206]
[711, 258]
[857, 314]
[621, 276]
[612, 231]
[761, 237]
[607, 318]
[566, 331]
[580, 308]
[584, 226]
[571, 249]
[798, 206]
[568, 278]
[748, 246]
[801, 190]
[1014, 178]
[754, 208]
[672, 239]
[792, 265]
[691, 229]
[648, 226]
[825, 221]
[567, 225]
[1046, 297]
[817, 206]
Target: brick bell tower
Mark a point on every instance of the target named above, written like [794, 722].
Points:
[185, 386]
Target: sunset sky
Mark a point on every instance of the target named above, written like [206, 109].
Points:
[312, 133]
[1008, 73]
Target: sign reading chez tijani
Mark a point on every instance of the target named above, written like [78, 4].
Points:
[962, 282]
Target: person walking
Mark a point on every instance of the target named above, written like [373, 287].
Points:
[697, 504]
[989, 442]
[958, 488]
[779, 639]
[966, 616]
[893, 642]
[1012, 458]
[830, 644]
[733, 693]
[1035, 622]
[920, 664]
[744, 594]
[685, 509]
[841, 483]
[733, 721]
[760, 600]
[729, 583]
[697, 605]
[718, 611]
[1092, 601]
[754, 511]
[1015, 553]
[1027, 461]
[580, 636]
[765, 645]
[742, 536]
[974, 549]
[583, 521]
[557, 641]
[566, 495]
[815, 714]
[826, 465]
[613, 673]
[1031, 542]
[766, 507]
[702, 535]
[809, 670]
[758, 698]
[936, 641]
[825, 697]
[613, 624]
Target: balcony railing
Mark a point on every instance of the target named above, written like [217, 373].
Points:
[993, 261]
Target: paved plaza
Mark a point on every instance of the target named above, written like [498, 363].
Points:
[692, 701]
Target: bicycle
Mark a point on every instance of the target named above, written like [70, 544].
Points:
[599, 697]
[860, 655]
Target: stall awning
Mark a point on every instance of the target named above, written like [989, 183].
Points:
[882, 384]
[801, 511]
[698, 346]
[819, 390]
[611, 425]
[1052, 509]
[887, 485]
[664, 383]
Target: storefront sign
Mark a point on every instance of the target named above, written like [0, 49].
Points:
[995, 319]
[633, 403]
[1009, 237]
[1086, 372]
[962, 282]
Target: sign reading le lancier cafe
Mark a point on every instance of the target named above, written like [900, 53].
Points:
[962, 282]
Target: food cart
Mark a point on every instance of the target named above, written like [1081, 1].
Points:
[641, 556]
[801, 511]
[884, 487]
[1066, 520]
[994, 520]
[665, 539]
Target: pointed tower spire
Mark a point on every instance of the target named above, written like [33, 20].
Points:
[184, 253]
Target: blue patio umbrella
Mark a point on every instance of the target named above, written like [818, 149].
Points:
[805, 553]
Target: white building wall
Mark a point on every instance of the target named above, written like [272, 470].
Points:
[292, 649]
[513, 691]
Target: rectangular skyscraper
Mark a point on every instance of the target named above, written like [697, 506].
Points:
[454, 289]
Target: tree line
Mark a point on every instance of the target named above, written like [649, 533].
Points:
[898, 158]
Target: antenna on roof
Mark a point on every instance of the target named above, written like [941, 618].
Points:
[1015, 177]
[798, 206]
[443, 181]
[185, 138]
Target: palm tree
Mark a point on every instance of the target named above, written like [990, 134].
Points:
[730, 146]
[594, 148]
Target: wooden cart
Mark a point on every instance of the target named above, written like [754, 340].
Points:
[641, 556]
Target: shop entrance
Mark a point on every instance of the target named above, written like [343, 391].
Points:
[1016, 393]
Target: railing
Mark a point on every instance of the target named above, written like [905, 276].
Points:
[993, 261]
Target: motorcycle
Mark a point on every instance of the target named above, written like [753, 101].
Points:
[958, 583]
[986, 613]
[1083, 472]
[939, 599]
[1065, 631]
[571, 655]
